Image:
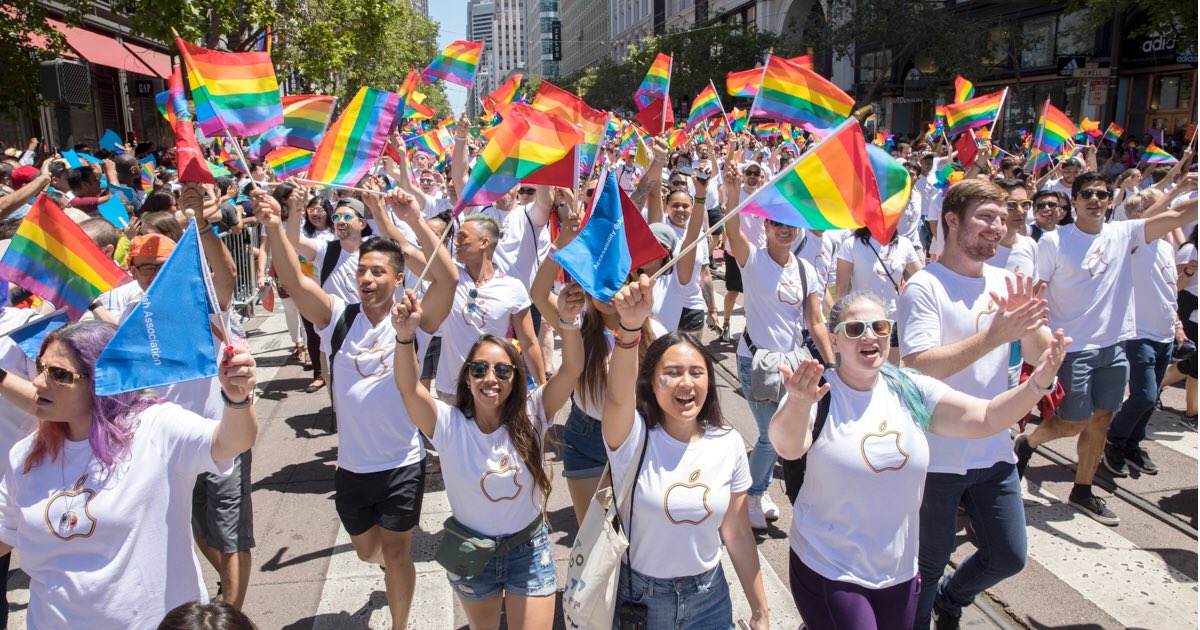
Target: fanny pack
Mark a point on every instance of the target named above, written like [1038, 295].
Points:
[464, 551]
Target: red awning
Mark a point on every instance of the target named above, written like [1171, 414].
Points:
[107, 51]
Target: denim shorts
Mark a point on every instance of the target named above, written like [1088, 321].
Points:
[583, 451]
[1093, 379]
[527, 570]
[698, 602]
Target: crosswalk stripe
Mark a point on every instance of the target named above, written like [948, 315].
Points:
[1104, 567]
[1169, 432]
[780, 606]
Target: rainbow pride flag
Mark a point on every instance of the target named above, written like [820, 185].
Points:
[506, 93]
[1156, 155]
[1114, 133]
[289, 161]
[895, 188]
[173, 103]
[54, 259]
[1054, 129]
[555, 100]
[795, 94]
[705, 105]
[964, 90]
[737, 120]
[657, 82]
[223, 154]
[976, 112]
[146, 166]
[745, 82]
[436, 143]
[305, 117]
[523, 143]
[411, 99]
[353, 143]
[456, 64]
[830, 187]
[235, 93]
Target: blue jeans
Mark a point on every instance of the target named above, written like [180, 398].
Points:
[1148, 361]
[698, 602]
[527, 570]
[762, 458]
[992, 497]
[583, 451]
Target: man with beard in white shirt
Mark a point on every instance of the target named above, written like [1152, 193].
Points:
[1088, 273]
[958, 318]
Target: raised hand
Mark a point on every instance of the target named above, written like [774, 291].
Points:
[1020, 312]
[404, 205]
[406, 316]
[571, 301]
[635, 302]
[804, 384]
[266, 208]
[1047, 368]
[237, 374]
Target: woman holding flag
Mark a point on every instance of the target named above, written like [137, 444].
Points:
[93, 497]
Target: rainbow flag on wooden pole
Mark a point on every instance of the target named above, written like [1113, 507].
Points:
[707, 104]
[976, 112]
[657, 83]
[1114, 133]
[792, 93]
[234, 92]
[1054, 129]
[1155, 155]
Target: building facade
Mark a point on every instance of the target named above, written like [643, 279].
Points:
[481, 16]
[543, 38]
[508, 40]
[586, 33]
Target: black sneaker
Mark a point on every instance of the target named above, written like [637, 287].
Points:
[1139, 460]
[1024, 453]
[1096, 508]
[943, 620]
[1114, 460]
[1190, 422]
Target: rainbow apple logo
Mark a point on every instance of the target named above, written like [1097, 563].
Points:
[500, 483]
[67, 514]
[687, 503]
[881, 450]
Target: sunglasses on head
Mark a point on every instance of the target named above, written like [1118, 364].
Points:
[62, 376]
[857, 328]
[479, 369]
[1044, 205]
[1024, 205]
[1102, 195]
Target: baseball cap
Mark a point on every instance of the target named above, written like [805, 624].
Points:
[355, 206]
[23, 175]
[666, 237]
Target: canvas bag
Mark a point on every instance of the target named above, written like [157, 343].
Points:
[590, 598]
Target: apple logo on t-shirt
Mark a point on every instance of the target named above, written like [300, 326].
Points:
[788, 291]
[990, 309]
[500, 483]
[371, 363]
[687, 503]
[475, 315]
[67, 515]
[881, 450]
[1096, 264]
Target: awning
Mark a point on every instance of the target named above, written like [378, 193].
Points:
[107, 51]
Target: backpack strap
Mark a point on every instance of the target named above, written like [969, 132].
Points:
[794, 469]
[341, 329]
[333, 251]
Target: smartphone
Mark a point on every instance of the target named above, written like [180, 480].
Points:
[686, 170]
[633, 616]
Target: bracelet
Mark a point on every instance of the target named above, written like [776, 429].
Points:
[94, 305]
[237, 405]
[1039, 389]
[404, 342]
[572, 325]
[622, 325]
[626, 345]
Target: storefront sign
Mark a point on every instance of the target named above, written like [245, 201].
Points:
[144, 88]
[1091, 73]
[1097, 92]
[1157, 42]
[1068, 65]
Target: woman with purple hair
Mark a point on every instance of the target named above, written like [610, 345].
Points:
[98, 498]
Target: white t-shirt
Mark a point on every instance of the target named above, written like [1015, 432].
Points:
[489, 486]
[15, 422]
[1089, 282]
[489, 312]
[1185, 255]
[110, 551]
[869, 275]
[820, 251]
[1020, 259]
[774, 301]
[1154, 295]
[909, 225]
[857, 516]
[374, 430]
[343, 282]
[680, 498]
[520, 252]
[436, 205]
[116, 300]
[938, 308]
[1057, 185]
[693, 295]
[668, 300]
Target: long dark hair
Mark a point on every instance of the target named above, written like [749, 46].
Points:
[311, 230]
[864, 234]
[596, 352]
[647, 403]
[512, 414]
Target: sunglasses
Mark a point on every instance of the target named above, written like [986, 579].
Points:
[524, 191]
[1024, 205]
[1102, 195]
[480, 369]
[62, 376]
[753, 173]
[147, 269]
[1044, 205]
[679, 184]
[426, 182]
[857, 328]
[349, 216]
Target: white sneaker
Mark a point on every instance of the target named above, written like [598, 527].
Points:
[769, 510]
[758, 520]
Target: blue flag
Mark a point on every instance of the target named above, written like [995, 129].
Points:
[614, 241]
[114, 211]
[29, 337]
[72, 158]
[168, 337]
[111, 141]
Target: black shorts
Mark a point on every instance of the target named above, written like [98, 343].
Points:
[432, 354]
[691, 320]
[733, 274]
[390, 499]
[715, 215]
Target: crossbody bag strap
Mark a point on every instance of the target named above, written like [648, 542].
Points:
[629, 525]
[887, 272]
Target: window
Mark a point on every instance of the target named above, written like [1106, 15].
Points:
[875, 65]
[1037, 37]
[1172, 91]
[1075, 35]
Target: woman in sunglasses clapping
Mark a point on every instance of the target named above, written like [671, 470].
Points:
[492, 447]
[854, 534]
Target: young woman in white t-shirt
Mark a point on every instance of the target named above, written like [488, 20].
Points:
[492, 446]
[865, 264]
[97, 499]
[664, 417]
[855, 522]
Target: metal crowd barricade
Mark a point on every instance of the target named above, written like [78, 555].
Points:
[243, 247]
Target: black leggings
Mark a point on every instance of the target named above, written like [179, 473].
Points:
[314, 347]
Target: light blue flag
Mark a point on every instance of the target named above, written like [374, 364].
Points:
[30, 336]
[168, 338]
[111, 141]
[115, 212]
[124, 193]
[72, 158]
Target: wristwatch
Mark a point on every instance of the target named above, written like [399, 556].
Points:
[1039, 389]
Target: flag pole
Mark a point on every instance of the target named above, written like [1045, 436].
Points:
[778, 176]
[1037, 141]
[723, 114]
[436, 248]
[999, 113]
[754, 103]
[237, 146]
[667, 94]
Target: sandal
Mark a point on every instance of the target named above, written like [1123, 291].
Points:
[306, 360]
[317, 384]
